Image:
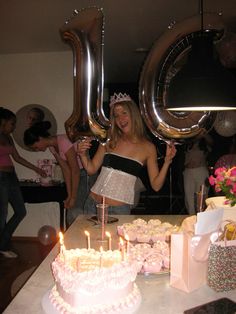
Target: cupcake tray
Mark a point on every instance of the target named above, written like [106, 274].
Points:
[163, 271]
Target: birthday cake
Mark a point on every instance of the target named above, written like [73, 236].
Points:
[91, 282]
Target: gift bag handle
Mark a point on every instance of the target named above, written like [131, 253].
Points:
[226, 230]
[200, 245]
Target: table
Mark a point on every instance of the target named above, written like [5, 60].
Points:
[157, 295]
[35, 193]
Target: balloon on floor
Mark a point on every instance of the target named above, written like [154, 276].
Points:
[47, 235]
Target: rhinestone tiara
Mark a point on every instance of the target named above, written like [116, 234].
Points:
[118, 98]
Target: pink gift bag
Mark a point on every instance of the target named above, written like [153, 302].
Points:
[187, 272]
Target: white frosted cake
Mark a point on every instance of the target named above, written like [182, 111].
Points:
[92, 282]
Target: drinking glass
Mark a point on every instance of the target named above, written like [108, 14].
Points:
[199, 202]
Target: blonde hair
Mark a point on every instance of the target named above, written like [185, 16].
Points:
[138, 130]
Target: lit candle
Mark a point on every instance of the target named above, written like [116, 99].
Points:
[120, 243]
[122, 249]
[62, 246]
[61, 238]
[127, 244]
[88, 239]
[109, 239]
[101, 252]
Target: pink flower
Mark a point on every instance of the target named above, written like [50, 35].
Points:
[217, 188]
[212, 180]
[219, 171]
[225, 182]
[234, 188]
[233, 172]
[220, 178]
[228, 182]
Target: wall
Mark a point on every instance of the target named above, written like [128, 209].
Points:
[46, 79]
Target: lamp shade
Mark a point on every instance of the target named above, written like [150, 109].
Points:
[202, 84]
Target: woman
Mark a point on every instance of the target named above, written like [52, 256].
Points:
[38, 138]
[122, 158]
[196, 170]
[34, 115]
[10, 191]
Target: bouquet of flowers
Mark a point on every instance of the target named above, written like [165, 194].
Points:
[224, 181]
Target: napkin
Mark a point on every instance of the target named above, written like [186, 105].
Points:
[208, 221]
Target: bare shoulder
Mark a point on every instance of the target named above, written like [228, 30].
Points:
[149, 144]
[149, 148]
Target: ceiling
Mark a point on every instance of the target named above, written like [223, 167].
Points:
[131, 27]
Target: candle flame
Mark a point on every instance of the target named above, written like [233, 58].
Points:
[108, 234]
[61, 238]
[121, 241]
[86, 233]
[126, 237]
[101, 249]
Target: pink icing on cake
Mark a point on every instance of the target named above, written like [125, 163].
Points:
[87, 284]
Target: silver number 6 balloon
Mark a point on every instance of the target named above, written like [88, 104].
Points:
[85, 32]
[164, 60]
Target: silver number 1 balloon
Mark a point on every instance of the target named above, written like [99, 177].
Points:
[85, 32]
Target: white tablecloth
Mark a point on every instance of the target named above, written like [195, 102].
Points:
[157, 295]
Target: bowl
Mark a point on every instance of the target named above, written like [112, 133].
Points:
[217, 201]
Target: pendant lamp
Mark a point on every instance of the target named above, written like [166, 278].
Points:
[203, 83]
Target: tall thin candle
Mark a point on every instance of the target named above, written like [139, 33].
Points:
[62, 246]
[127, 244]
[61, 238]
[122, 249]
[88, 239]
[109, 239]
[101, 253]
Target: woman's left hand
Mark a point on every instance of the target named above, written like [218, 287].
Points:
[170, 152]
[69, 202]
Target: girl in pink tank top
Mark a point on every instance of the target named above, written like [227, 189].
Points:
[38, 138]
[10, 191]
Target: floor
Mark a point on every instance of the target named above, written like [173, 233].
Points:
[30, 254]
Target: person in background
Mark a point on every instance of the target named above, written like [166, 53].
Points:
[10, 191]
[34, 115]
[228, 160]
[38, 138]
[196, 170]
[122, 158]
